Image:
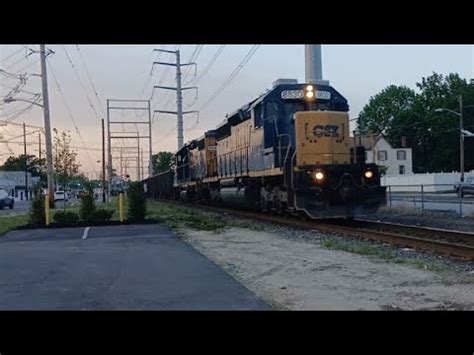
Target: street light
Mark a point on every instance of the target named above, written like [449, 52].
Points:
[462, 132]
[8, 100]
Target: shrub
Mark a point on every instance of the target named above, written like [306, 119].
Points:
[136, 203]
[87, 207]
[101, 215]
[37, 215]
[66, 218]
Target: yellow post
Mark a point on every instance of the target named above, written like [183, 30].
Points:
[46, 208]
[121, 206]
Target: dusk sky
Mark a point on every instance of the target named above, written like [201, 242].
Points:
[356, 71]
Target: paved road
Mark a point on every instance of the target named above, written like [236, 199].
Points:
[22, 207]
[120, 267]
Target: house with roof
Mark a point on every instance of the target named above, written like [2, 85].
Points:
[397, 160]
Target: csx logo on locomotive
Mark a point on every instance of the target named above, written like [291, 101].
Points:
[320, 131]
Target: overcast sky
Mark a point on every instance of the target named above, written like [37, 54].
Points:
[356, 71]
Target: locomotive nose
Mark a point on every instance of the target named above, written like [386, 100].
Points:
[347, 191]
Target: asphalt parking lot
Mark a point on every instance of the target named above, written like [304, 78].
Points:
[135, 267]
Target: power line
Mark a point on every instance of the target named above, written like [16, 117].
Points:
[234, 73]
[90, 80]
[68, 109]
[9, 75]
[81, 84]
[13, 54]
[21, 111]
[164, 76]
[18, 61]
[193, 57]
[6, 143]
[150, 75]
[210, 64]
[27, 66]
[231, 76]
[227, 82]
[196, 52]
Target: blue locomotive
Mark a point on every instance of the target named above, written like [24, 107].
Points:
[288, 151]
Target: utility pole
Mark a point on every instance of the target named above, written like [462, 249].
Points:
[141, 159]
[103, 160]
[138, 161]
[461, 137]
[179, 101]
[121, 168]
[179, 93]
[26, 162]
[109, 158]
[47, 126]
[39, 142]
[150, 167]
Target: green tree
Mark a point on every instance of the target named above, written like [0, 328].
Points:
[87, 208]
[136, 203]
[65, 161]
[388, 110]
[398, 111]
[437, 147]
[37, 213]
[36, 166]
[161, 162]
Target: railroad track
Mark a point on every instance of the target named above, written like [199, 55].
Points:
[446, 242]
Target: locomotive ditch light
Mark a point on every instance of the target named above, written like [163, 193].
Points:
[368, 174]
[319, 176]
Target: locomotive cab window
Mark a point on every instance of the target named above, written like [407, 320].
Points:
[271, 111]
[291, 108]
[257, 115]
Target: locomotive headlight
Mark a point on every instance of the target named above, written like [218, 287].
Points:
[319, 175]
[368, 174]
[309, 92]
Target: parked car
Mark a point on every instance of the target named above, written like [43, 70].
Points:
[6, 200]
[60, 196]
[465, 188]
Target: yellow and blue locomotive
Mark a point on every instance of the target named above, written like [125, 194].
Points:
[288, 151]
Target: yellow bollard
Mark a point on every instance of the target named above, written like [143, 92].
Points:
[121, 206]
[46, 208]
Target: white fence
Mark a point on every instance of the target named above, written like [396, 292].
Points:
[436, 182]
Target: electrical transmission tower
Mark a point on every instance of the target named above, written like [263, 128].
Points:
[179, 92]
[130, 134]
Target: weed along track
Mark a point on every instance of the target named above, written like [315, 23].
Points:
[446, 242]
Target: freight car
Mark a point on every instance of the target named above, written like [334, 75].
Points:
[289, 150]
[160, 185]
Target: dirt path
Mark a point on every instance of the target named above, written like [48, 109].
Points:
[291, 272]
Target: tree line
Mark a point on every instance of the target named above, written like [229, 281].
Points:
[399, 112]
[65, 162]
